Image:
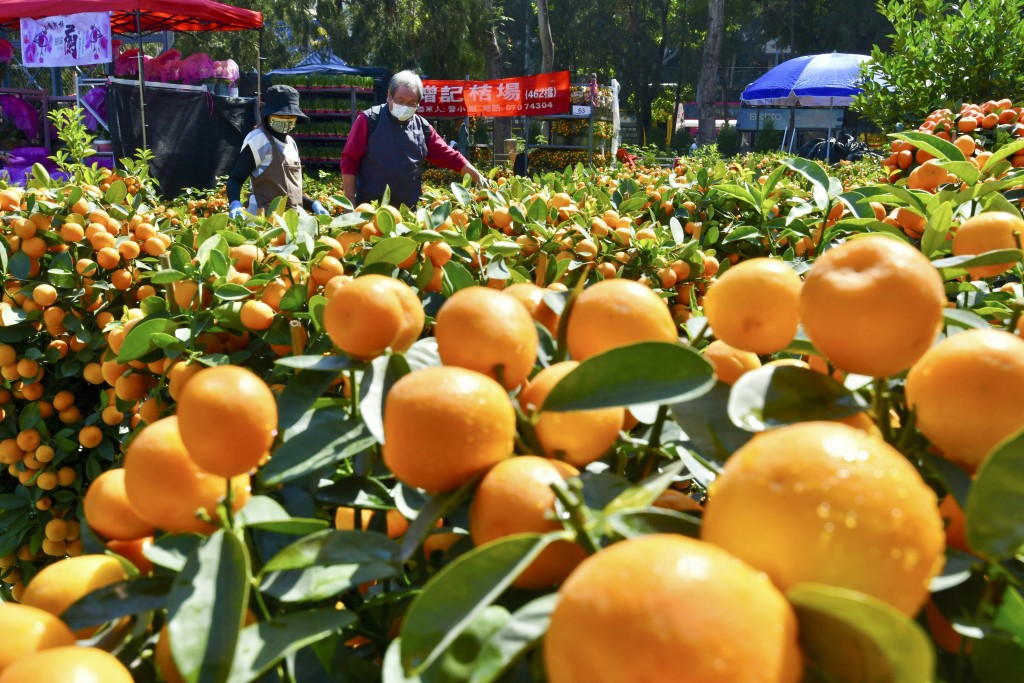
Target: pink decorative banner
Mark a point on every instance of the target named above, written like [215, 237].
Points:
[74, 39]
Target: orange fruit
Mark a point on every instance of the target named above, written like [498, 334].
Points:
[134, 551]
[345, 519]
[827, 503]
[166, 487]
[986, 232]
[730, 363]
[67, 664]
[615, 313]
[444, 425]
[532, 298]
[482, 329]
[371, 314]
[577, 436]
[28, 630]
[515, 497]
[670, 608]
[256, 315]
[956, 524]
[873, 306]
[108, 511]
[755, 306]
[58, 585]
[227, 417]
[968, 393]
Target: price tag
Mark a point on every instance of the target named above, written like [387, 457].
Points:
[581, 110]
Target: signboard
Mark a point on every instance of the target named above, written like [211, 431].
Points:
[581, 110]
[538, 95]
[806, 119]
[70, 40]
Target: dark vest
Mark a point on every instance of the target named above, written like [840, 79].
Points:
[395, 156]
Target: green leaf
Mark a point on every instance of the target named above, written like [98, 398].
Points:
[210, 227]
[935, 230]
[1004, 152]
[634, 203]
[377, 381]
[373, 552]
[322, 565]
[648, 372]
[707, 423]
[262, 645]
[458, 275]
[519, 634]
[633, 523]
[165, 277]
[438, 506]
[462, 195]
[737, 192]
[116, 193]
[262, 512]
[231, 292]
[423, 354]
[321, 439]
[814, 173]
[646, 492]
[391, 250]
[172, 551]
[941, 149]
[994, 525]
[959, 317]
[742, 232]
[854, 638]
[776, 396]
[114, 601]
[459, 592]
[139, 342]
[302, 391]
[318, 363]
[954, 266]
[964, 170]
[206, 608]
[294, 299]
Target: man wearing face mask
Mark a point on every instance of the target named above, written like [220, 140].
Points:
[388, 146]
[271, 158]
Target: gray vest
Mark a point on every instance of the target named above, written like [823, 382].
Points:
[395, 155]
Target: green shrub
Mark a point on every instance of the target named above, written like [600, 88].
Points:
[728, 141]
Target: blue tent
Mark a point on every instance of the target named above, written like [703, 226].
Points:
[328, 63]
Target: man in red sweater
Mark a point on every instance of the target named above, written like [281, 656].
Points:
[388, 145]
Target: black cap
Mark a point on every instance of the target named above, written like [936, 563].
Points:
[282, 100]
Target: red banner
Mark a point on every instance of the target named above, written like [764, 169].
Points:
[538, 95]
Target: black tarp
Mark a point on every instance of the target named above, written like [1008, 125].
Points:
[194, 135]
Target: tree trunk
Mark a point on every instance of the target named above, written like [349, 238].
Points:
[707, 85]
[495, 69]
[547, 44]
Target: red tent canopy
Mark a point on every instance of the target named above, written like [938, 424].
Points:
[156, 15]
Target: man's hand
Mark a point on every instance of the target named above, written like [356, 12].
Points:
[319, 210]
[235, 210]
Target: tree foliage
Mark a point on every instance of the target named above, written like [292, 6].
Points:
[943, 53]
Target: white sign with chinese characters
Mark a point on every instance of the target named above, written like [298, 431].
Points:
[70, 40]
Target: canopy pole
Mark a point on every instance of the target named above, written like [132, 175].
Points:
[259, 72]
[828, 140]
[142, 78]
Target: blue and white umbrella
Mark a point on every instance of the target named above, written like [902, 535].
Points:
[812, 81]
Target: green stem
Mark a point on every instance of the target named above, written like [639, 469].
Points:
[653, 449]
[577, 518]
[353, 390]
[881, 408]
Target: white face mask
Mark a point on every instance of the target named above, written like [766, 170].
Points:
[282, 125]
[402, 112]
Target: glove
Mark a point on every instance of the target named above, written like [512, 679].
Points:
[318, 209]
[235, 209]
